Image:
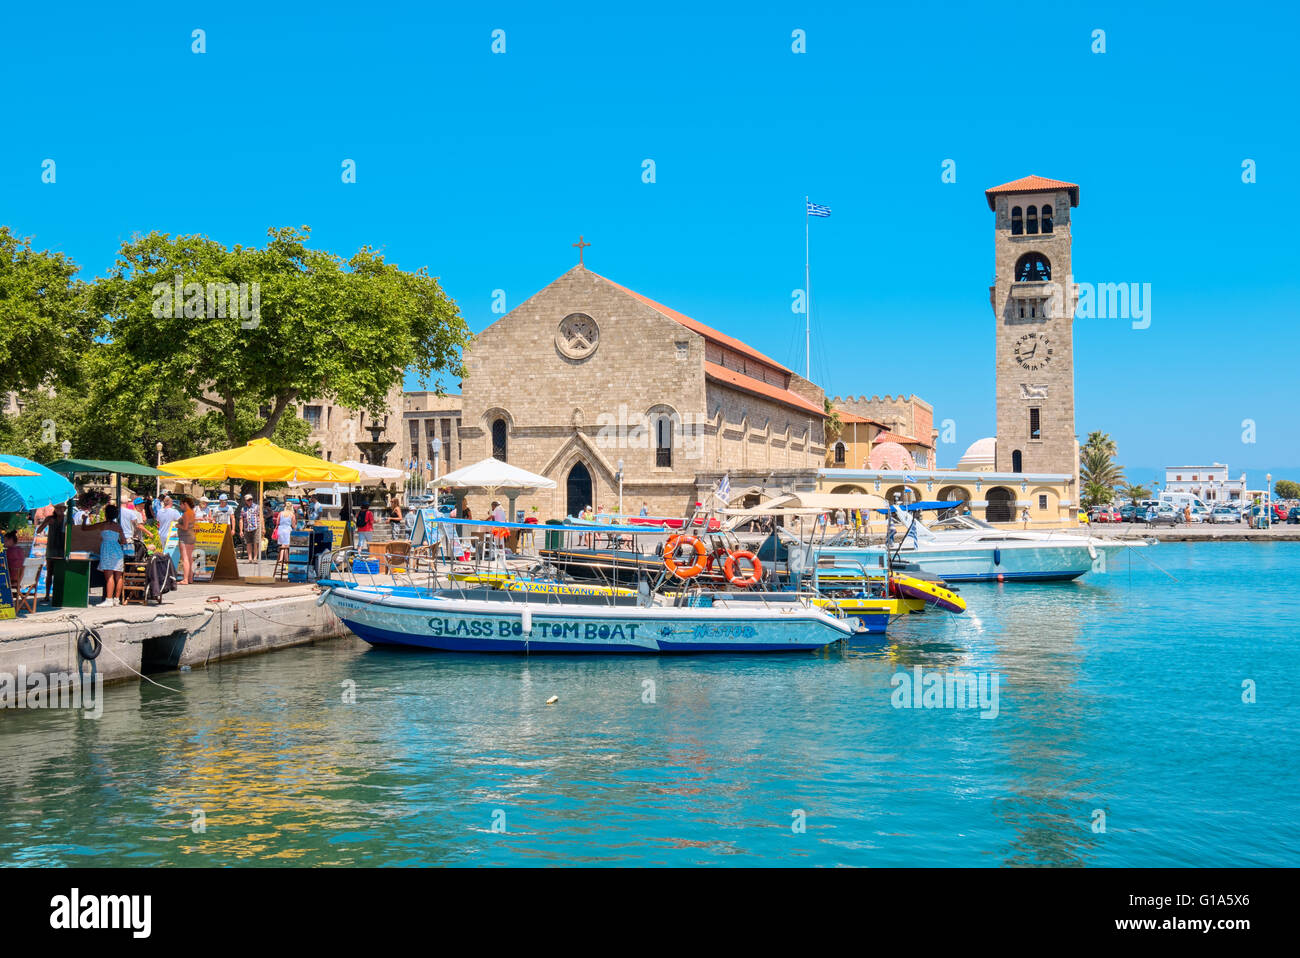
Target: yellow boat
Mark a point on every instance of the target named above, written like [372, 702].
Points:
[928, 593]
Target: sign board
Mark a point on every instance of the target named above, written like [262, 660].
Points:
[218, 546]
[299, 556]
[7, 610]
[341, 530]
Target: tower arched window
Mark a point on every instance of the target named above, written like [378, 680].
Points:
[1033, 268]
[839, 454]
[499, 440]
[1016, 461]
[1031, 226]
[1047, 219]
[1017, 221]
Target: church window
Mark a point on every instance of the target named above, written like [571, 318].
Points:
[839, 454]
[499, 440]
[1047, 219]
[1022, 312]
[663, 442]
[1033, 268]
[683, 349]
[1042, 501]
[1035, 423]
[1017, 462]
[1031, 221]
[1017, 221]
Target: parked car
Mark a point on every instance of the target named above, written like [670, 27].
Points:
[1129, 513]
[1293, 516]
[1164, 515]
[1279, 512]
[1220, 514]
[1104, 514]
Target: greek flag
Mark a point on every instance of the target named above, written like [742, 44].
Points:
[724, 489]
[815, 210]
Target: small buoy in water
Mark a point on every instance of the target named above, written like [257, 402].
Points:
[1000, 579]
[552, 700]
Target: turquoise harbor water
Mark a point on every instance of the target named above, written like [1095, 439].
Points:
[1120, 693]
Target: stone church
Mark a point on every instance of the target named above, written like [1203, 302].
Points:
[588, 382]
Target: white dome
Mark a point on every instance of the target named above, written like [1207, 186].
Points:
[980, 457]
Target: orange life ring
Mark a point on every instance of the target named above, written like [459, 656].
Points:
[719, 557]
[743, 582]
[670, 556]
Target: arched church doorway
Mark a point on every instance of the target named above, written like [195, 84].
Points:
[578, 491]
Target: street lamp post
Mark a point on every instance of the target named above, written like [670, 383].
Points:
[157, 482]
[1268, 500]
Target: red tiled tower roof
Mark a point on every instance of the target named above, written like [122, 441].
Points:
[1033, 184]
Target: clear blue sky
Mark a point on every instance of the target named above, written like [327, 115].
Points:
[485, 168]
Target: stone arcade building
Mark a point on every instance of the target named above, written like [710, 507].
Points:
[587, 373]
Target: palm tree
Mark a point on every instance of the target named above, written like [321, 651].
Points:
[1135, 493]
[1098, 473]
[832, 423]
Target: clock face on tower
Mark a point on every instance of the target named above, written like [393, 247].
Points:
[1033, 351]
[578, 336]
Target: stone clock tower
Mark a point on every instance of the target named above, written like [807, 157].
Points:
[1033, 300]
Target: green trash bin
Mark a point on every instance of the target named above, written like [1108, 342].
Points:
[554, 540]
[71, 582]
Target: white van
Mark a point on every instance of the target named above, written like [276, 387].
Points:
[1180, 500]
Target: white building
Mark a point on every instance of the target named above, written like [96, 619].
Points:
[1210, 484]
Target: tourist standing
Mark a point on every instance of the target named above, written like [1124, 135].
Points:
[249, 524]
[645, 509]
[14, 559]
[365, 526]
[1024, 517]
[185, 530]
[395, 517]
[167, 516]
[130, 521]
[111, 556]
[53, 527]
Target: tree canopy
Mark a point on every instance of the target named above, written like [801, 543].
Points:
[270, 327]
[45, 324]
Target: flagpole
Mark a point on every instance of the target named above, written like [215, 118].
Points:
[807, 300]
[807, 320]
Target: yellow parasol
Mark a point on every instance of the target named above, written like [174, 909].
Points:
[263, 461]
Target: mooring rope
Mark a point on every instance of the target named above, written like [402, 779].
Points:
[82, 627]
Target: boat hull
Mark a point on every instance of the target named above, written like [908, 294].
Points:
[391, 618]
[1040, 562]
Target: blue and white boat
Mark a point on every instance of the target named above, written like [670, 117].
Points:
[961, 548]
[487, 620]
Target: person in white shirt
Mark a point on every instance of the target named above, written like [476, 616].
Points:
[167, 515]
[498, 513]
[130, 521]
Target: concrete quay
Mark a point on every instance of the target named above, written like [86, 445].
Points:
[194, 626]
[1196, 532]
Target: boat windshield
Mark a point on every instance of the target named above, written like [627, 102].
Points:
[961, 523]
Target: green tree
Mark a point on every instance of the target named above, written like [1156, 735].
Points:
[831, 423]
[1098, 472]
[263, 329]
[45, 323]
[1135, 492]
[1286, 489]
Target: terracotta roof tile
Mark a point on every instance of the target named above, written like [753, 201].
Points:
[695, 326]
[1034, 184]
[900, 439]
[850, 417]
[749, 384]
